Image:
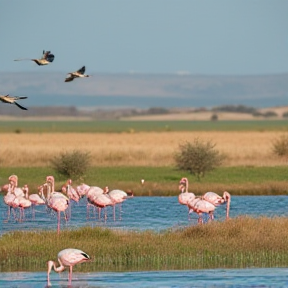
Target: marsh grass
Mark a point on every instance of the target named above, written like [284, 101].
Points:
[238, 243]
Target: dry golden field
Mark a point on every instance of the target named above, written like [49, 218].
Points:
[135, 149]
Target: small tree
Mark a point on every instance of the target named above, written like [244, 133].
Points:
[71, 164]
[198, 157]
[280, 146]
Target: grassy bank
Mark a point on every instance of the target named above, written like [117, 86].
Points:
[238, 243]
[163, 181]
[116, 126]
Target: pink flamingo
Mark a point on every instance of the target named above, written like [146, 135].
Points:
[67, 258]
[92, 192]
[201, 206]
[118, 196]
[56, 200]
[36, 200]
[184, 197]
[16, 190]
[102, 201]
[11, 200]
[24, 202]
[217, 200]
[71, 192]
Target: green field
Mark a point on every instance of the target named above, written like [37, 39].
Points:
[163, 181]
[115, 126]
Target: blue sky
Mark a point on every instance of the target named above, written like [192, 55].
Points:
[210, 37]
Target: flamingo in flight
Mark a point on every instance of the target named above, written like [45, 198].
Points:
[46, 58]
[77, 74]
[67, 258]
[217, 200]
[12, 100]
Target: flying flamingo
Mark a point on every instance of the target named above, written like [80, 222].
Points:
[67, 258]
[217, 200]
[55, 200]
[46, 59]
[77, 74]
[12, 100]
[36, 200]
[201, 206]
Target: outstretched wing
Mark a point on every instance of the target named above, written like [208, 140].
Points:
[81, 70]
[20, 97]
[69, 78]
[21, 107]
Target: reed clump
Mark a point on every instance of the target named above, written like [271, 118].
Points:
[238, 243]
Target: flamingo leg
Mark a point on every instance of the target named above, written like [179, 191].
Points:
[70, 275]
[58, 222]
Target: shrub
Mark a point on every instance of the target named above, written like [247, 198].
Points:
[285, 114]
[198, 157]
[214, 117]
[71, 164]
[280, 146]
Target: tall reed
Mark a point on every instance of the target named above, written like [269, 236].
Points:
[238, 243]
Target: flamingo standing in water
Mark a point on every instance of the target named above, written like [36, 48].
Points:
[118, 196]
[91, 192]
[55, 200]
[201, 206]
[67, 258]
[217, 200]
[184, 197]
[24, 202]
[11, 200]
[36, 200]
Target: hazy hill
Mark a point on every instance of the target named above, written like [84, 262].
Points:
[144, 91]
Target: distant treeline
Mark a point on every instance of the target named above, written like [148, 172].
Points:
[98, 113]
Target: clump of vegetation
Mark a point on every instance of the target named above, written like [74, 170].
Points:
[285, 114]
[71, 164]
[198, 157]
[280, 146]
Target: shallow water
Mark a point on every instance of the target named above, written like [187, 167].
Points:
[142, 213]
[186, 278]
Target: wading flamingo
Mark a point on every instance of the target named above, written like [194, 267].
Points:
[118, 196]
[55, 200]
[77, 74]
[67, 258]
[11, 200]
[46, 59]
[217, 200]
[201, 206]
[24, 202]
[36, 200]
[184, 197]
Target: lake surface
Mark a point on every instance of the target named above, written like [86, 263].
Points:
[184, 278]
[143, 213]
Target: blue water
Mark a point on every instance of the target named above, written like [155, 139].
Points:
[185, 278]
[142, 213]
[154, 213]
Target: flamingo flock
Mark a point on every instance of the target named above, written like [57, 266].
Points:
[60, 202]
[203, 204]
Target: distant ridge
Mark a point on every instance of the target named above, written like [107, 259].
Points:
[145, 90]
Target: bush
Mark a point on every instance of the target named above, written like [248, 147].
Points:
[198, 157]
[280, 146]
[71, 164]
[285, 114]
